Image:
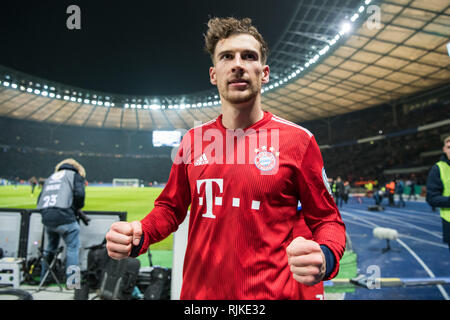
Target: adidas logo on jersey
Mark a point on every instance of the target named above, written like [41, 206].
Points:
[201, 161]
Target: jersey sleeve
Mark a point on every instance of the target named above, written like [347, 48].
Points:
[435, 189]
[171, 206]
[318, 207]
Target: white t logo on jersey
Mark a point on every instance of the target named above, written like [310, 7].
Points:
[210, 200]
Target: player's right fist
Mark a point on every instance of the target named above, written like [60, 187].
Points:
[121, 237]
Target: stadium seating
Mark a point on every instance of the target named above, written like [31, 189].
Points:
[32, 149]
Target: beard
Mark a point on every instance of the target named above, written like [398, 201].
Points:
[236, 96]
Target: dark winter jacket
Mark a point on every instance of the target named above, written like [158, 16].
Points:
[435, 187]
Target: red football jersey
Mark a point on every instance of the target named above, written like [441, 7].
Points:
[243, 188]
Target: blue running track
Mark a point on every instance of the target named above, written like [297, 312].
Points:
[418, 253]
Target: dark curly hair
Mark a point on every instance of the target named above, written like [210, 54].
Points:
[222, 28]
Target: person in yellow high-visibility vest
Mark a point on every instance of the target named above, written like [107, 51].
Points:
[438, 189]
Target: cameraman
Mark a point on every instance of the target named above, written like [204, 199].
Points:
[60, 203]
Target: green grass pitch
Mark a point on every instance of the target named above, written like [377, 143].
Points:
[137, 202]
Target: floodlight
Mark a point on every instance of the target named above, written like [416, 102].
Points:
[346, 27]
[354, 17]
[324, 50]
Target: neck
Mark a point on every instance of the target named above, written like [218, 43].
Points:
[241, 116]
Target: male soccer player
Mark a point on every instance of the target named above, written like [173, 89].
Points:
[243, 175]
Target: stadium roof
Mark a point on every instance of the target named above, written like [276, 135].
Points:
[330, 60]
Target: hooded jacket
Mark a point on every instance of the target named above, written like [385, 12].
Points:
[55, 216]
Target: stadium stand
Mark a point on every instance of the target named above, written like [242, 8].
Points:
[110, 153]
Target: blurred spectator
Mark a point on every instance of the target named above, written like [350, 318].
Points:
[390, 190]
[412, 192]
[399, 189]
[338, 191]
[346, 191]
[33, 183]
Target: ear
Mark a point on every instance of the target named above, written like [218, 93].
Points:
[212, 76]
[265, 74]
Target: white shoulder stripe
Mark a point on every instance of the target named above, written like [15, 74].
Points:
[205, 124]
[289, 123]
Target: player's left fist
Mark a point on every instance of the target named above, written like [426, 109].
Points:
[306, 260]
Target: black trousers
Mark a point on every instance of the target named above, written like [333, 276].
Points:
[446, 231]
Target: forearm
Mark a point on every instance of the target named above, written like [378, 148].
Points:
[332, 237]
[330, 260]
[438, 201]
[435, 190]
[159, 224]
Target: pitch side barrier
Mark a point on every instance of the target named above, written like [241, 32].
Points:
[22, 232]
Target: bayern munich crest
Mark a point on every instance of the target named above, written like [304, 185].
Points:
[266, 159]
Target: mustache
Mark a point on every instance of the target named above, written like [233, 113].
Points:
[234, 80]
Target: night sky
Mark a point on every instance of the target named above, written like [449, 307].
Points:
[125, 47]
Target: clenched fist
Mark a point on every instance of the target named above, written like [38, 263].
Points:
[121, 237]
[307, 261]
